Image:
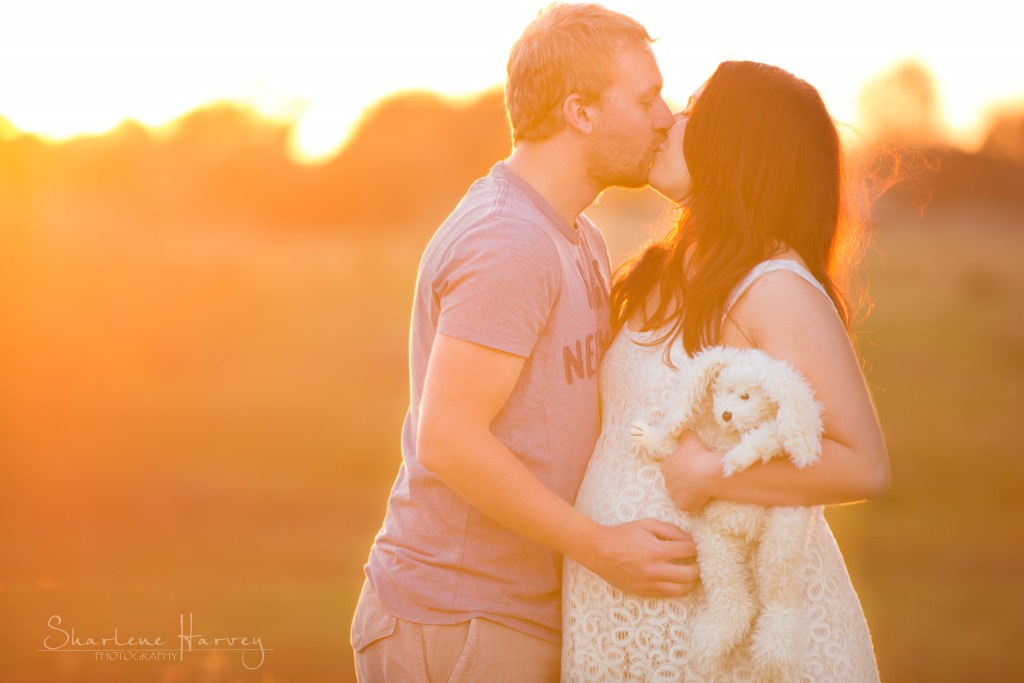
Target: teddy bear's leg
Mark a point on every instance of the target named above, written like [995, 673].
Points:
[656, 440]
[735, 519]
[780, 635]
[730, 608]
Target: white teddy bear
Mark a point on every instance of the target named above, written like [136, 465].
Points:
[752, 407]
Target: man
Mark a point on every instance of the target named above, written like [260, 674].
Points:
[510, 320]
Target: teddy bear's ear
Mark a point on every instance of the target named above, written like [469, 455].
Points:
[799, 416]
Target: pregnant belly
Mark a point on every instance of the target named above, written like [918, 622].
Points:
[624, 490]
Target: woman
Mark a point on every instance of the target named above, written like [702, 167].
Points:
[760, 258]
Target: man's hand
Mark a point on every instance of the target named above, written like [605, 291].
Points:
[646, 557]
[691, 472]
[465, 388]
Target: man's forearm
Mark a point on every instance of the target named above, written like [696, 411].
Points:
[466, 387]
[492, 479]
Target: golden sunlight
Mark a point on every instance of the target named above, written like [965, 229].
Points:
[205, 337]
[84, 67]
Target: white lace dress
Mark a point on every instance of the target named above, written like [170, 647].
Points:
[612, 636]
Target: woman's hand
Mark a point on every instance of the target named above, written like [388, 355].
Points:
[691, 473]
[787, 318]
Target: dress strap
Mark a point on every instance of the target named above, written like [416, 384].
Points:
[767, 267]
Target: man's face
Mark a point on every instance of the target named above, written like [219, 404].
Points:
[630, 122]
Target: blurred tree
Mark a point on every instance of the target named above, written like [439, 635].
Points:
[407, 163]
[1005, 136]
[411, 158]
[901, 107]
[224, 160]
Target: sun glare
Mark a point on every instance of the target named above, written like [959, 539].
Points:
[84, 67]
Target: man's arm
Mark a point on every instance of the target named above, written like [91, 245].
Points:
[465, 388]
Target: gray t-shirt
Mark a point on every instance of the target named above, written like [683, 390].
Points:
[506, 272]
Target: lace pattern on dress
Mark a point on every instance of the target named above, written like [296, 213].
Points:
[612, 636]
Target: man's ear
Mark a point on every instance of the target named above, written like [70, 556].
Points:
[577, 114]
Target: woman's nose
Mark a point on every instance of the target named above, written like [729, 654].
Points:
[665, 117]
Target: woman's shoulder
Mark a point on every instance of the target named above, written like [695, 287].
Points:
[778, 292]
[785, 274]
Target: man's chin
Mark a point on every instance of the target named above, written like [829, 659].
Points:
[633, 180]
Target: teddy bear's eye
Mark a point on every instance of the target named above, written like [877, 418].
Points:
[744, 396]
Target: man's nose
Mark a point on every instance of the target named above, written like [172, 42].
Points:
[665, 118]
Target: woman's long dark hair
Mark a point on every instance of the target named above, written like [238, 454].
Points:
[766, 165]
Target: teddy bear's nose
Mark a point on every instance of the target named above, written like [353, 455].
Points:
[727, 416]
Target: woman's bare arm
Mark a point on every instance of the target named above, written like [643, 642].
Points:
[786, 317]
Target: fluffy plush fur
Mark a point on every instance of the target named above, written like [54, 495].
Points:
[752, 407]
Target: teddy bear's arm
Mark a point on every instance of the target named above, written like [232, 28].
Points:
[803, 448]
[658, 441]
[761, 443]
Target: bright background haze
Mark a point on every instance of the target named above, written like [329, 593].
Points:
[203, 335]
[85, 66]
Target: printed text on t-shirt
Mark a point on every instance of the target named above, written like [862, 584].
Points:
[584, 357]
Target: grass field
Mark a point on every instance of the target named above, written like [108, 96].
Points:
[207, 422]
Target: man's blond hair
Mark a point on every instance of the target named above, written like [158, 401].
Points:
[567, 49]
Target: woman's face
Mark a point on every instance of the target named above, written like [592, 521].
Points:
[669, 174]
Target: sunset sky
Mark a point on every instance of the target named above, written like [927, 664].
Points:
[73, 67]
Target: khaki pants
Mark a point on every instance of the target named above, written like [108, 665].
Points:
[393, 650]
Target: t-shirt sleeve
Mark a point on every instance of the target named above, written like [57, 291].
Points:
[497, 286]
